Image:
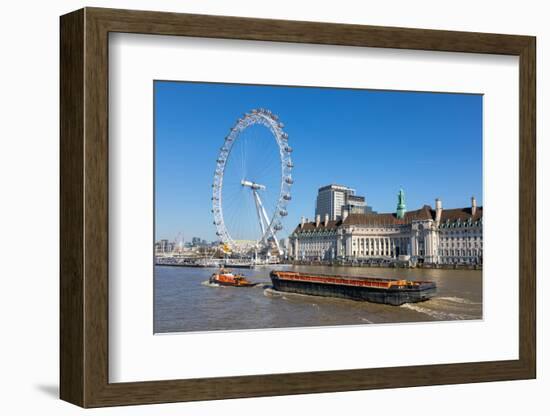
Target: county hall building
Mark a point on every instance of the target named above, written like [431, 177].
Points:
[426, 235]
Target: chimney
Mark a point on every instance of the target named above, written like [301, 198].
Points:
[317, 220]
[438, 210]
[474, 206]
[302, 222]
[326, 220]
[344, 214]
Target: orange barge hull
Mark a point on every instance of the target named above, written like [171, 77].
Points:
[388, 291]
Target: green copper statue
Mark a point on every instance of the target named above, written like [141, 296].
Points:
[401, 207]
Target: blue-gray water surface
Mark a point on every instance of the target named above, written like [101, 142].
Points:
[184, 301]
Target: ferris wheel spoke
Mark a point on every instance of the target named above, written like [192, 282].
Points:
[243, 157]
[252, 182]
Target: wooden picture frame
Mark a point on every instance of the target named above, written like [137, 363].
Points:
[84, 207]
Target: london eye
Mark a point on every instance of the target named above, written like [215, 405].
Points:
[252, 183]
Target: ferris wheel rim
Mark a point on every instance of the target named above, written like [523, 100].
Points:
[271, 121]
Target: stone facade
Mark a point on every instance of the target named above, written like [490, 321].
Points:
[436, 236]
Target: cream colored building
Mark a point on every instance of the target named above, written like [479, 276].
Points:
[437, 236]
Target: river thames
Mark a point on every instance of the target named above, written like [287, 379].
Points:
[184, 301]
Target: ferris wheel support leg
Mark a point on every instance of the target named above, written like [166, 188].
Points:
[259, 208]
[265, 217]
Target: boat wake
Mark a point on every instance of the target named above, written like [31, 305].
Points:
[454, 299]
[438, 315]
[262, 285]
[272, 293]
[207, 283]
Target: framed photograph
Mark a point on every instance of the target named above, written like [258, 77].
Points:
[255, 207]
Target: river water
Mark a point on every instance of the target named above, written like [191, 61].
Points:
[184, 301]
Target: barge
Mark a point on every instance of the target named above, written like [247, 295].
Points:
[378, 290]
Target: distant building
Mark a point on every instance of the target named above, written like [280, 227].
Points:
[284, 245]
[198, 242]
[438, 236]
[357, 205]
[331, 199]
[334, 199]
[164, 247]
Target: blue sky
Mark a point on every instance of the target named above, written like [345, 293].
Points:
[373, 141]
